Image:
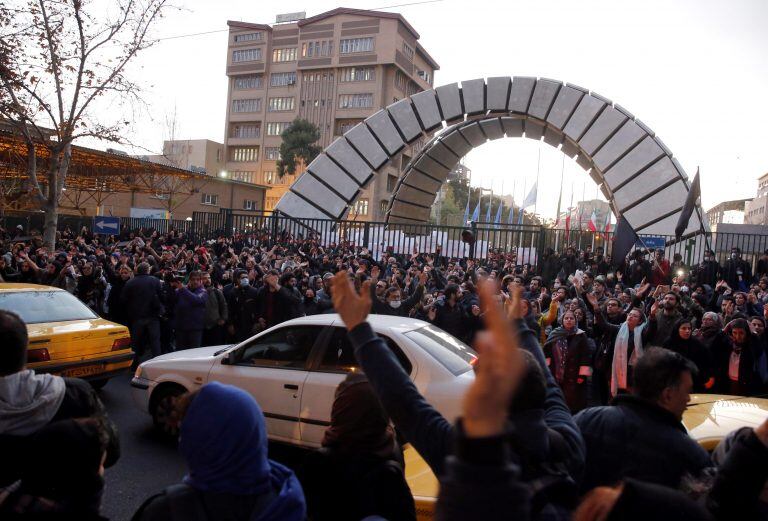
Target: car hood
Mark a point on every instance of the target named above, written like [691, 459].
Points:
[710, 417]
[186, 354]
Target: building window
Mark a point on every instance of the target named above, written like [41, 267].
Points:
[424, 75]
[210, 199]
[276, 128]
[272, 153]
[391, 182]
[316, 49]
[252, 81]
[246, 55]
[408, 51]
[347, 125]
[249, 37]
[352, 45]
[284, 55]
[281, 104]
[269, 177]
[357, 74]
[384, 206]
[245, 130]
[249, 204]
[355, 101]
[245, 177]
[400, 80]
[243, 154]
[246, 105]
[281, 79]
[411, 88]
[361, 207]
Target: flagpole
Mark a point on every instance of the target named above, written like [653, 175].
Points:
[538, 169]
[522, 215]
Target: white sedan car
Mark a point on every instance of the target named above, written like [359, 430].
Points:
[294, 368]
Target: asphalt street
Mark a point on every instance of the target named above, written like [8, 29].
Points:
[147, 463]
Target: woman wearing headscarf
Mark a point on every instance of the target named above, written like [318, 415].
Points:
[628, 347]
[223, 440]
[63, 474]
[568, 356]
[359, 471]
[682, 341]
[711, 334]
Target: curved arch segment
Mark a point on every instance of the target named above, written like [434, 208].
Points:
[636, 172]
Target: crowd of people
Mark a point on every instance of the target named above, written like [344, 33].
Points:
[585, 368]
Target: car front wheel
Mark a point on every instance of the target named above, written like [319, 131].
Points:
[164, 412]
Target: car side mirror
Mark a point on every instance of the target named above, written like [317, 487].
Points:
[230, 359]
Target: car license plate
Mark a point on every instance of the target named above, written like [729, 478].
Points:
[88, 370]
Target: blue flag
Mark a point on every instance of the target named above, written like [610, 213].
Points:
[476, 212]
[488, 211]
[511, 216]
[520, 219]
[497, 220]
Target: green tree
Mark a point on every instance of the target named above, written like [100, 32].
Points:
[298, 146]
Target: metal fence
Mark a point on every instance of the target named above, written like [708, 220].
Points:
[528, 241]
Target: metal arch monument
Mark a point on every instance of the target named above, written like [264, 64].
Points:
[635, 170]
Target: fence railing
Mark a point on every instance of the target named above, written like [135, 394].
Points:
[478, 240]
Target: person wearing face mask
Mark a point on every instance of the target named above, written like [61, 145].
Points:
[393, 303]
[708, 271]
[568, 356]
[737, 272]
[242, 308]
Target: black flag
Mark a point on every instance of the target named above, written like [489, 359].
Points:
[690, 204]
[623, 240]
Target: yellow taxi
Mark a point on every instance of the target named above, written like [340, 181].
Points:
[65, 336]
[709, 418]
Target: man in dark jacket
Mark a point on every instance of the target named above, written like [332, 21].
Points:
[142, 300]
[737, 272]
[449, 315]
[277, 303]
[29, 401]
[708, 271]
[641, 435]
[242, 303]
[544, 433]
[216, 313]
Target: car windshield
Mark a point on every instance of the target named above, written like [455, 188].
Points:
[35, 307]
[452, 353]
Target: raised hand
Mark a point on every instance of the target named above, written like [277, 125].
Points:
[423, 278]
[497, 373]
[514, 309]
[592, 298]
[352, 307]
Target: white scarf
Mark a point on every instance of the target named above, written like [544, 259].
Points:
[620, 362]
[28, 401]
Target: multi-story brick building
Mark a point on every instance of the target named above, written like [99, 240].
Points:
[334, 69]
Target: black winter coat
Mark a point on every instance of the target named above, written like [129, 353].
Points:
[142, 298]
[637, 439]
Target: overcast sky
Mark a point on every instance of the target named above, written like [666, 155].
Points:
[694, 71]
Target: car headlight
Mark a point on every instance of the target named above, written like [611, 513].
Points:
[138, 372]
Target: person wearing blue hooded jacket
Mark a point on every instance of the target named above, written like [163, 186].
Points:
[223, 439]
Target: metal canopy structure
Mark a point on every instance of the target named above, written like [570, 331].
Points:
[93, 176]
[635, 171]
